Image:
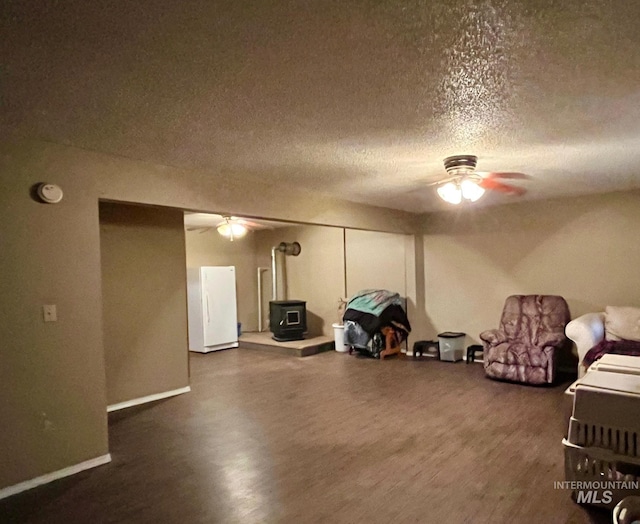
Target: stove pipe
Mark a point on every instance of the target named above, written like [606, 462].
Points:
[288, 248]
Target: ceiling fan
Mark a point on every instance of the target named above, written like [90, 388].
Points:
[228, 226]
[463, 182]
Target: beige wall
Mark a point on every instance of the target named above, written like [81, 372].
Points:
[52, 376]
[208, 248]
[316, 275]
[421, 327]
[585, 249]
[144, 300]
[375, 261]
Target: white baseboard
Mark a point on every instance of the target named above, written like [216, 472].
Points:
[148, 398]
[50, 477]
[217, 347]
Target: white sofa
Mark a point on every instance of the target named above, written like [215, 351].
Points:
[616, 323]
[586, 331]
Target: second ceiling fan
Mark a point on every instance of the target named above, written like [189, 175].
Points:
[463, 182]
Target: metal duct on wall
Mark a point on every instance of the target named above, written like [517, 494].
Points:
[289, 249]
[260, 271]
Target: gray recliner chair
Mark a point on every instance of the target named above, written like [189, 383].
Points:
[525, 346]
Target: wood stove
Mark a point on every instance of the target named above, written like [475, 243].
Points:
[287, 319]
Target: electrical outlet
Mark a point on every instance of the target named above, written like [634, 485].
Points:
[49, 313]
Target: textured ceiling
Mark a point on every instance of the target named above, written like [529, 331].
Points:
[357, 99]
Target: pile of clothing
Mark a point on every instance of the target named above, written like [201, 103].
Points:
[375, 323]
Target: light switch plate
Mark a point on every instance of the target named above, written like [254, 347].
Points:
[49, 313]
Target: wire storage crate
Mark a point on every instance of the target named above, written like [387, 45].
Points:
[602, 478]
[617, 364]
[602, 448]
[606, 413]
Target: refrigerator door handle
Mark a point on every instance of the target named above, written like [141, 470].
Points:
[208, 316]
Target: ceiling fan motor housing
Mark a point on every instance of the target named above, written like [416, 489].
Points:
[453, 164]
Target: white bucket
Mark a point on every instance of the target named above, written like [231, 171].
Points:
[338, 333]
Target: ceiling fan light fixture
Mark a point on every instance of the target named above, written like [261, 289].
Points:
[463, 182]
[231, 230]
[471, 190]
[450, 193]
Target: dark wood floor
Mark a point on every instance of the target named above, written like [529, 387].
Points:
[328, 438]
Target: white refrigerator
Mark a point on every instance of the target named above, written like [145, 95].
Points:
[212, 311]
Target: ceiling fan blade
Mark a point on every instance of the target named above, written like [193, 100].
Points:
[199, 229]
[441, 181]
[253, 225]
[504, 175]
[488, 183]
